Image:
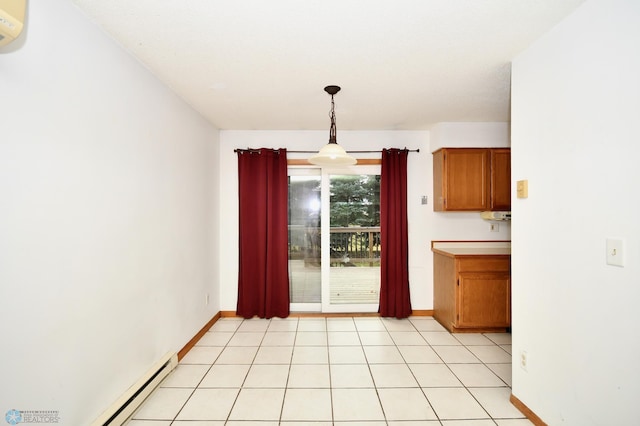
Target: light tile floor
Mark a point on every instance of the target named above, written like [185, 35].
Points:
[350, 371]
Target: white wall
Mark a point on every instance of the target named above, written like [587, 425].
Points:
[574, 137]
[470, 135]
[424, 224]
[467, 225]
[105, 200]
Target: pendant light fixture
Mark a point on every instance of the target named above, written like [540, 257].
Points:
[332, 154]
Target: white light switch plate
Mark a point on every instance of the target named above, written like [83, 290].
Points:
[615, 252]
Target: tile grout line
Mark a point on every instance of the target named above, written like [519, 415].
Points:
[333, 415]
[494, 344]
[373, 380]
[235, 400]
[361, 346]
[421, 388]
[193, 391]
[462, 383]
[286, 389]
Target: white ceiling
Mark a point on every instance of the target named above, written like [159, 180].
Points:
[402, 64]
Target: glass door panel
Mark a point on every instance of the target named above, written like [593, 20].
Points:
[352, 259]
[305, 258]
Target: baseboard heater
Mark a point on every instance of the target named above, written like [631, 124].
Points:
[124, 407]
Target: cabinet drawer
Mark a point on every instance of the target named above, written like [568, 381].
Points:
[484, 263]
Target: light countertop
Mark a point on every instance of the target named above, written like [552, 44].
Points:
[471, 248]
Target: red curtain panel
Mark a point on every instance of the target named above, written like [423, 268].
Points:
[394, 259]
[263, 276]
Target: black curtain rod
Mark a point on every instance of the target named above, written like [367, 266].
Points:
[313, 152]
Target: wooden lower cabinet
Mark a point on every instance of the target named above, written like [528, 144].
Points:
[472, 293]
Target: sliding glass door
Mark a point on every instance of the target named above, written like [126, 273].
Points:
[334, 239]
[305, 257]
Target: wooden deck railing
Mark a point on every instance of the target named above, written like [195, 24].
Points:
[357, 245]
[349, 246]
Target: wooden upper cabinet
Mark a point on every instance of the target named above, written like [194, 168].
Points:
[472, 179]
[500, 179]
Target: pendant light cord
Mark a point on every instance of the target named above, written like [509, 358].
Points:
[333, 132]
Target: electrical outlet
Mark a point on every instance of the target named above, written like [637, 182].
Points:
[523, 360]
[494, 227]
[206, 299]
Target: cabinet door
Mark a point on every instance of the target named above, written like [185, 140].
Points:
[465, 175]
[501, 179]
[484, 299]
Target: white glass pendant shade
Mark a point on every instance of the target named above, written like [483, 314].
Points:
[332, 154]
